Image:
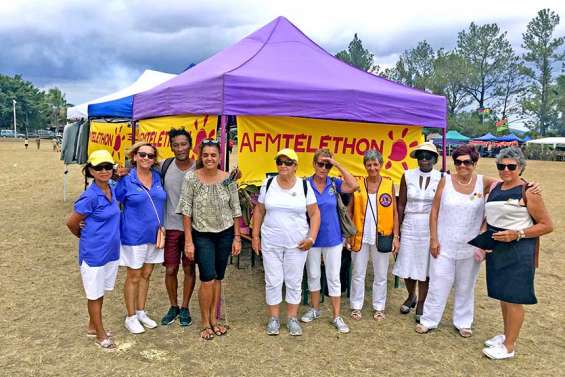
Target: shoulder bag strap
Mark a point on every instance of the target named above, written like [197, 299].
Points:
[152, 203]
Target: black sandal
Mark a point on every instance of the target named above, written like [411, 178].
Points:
[217, 329]
[206, 334]
[407, 306]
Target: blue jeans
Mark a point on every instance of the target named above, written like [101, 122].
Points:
[212, 251]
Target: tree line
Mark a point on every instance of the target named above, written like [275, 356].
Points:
[35, 108]
[486, 83]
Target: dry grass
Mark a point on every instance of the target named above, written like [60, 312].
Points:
[43, 310]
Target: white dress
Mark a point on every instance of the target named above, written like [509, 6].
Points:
[414, 254]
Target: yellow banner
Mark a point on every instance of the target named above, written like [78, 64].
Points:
[259, 138]
[113, 137]
[155, 131]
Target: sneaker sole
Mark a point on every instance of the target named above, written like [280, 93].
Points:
[273, 333]
[185, 324]
[167, 323]
[309, 320]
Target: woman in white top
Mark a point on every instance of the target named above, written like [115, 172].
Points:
[417, 189]
[280, 218]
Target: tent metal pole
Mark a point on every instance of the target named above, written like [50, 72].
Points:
[443, 148]
[223, 141]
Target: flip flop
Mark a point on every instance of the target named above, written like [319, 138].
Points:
[421, 329]
[92, 333]
[465, 333]
[356, 314]
[106, 344]
[217, 329]
[379, 315]
[205, 333]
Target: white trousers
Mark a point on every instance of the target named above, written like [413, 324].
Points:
[359, 261]
[444, 274]
[332, 264]
[286, 266]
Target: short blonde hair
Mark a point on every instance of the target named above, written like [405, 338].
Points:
[135, 148]
[325, 152]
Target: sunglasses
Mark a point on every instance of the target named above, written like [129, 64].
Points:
[284, 162]
[463, 162]
[510, 167]
[210, 142]
[326, 165]
[100, 167]
[150, 156]
[424, 155]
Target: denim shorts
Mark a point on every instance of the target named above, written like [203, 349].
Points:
[212, 252]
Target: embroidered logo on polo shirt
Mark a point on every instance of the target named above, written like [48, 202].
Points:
[385, 200]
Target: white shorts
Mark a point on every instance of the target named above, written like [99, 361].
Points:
[96, 280]
[136, 256]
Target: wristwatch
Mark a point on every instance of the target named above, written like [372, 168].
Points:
[521, 234]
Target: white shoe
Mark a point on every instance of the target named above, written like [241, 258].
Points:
[495, 340]
[145, 320]
[310, 315]
[133, 325]
[498, 352]
[340, 325]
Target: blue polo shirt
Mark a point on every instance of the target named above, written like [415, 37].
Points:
[100, 237]
[330, 230]
[139, 221]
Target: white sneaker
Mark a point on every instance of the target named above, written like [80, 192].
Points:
[495, 340]
[145, 320]
[133, 325]
[310, 315]
[498, 352]
[340, 325]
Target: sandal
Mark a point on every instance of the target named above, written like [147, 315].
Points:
[106, 344]
[379, 315]
[465, 333]
[421, 329]
[217, 328]
[92, 333]
[207, 333]
[407, 306]
[356, 314]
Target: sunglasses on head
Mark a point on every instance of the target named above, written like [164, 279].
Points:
[210, 142]
[424, 155]
[280, 162]
[463, 162]
[326, 165]
[103, 166]
[510, 167]
[150, 156]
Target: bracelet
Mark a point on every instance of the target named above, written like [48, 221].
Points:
[396, 237]
[311, 239]
[237, 235]
[520, 234]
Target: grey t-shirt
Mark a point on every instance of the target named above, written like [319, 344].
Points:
[173, 184]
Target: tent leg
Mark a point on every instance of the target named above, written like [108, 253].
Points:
[443, 148]
[223, 141]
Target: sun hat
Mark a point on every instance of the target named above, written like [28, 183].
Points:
[427, 146]
[287, 152]
[100, 156]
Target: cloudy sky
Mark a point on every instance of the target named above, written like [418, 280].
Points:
[91, 48]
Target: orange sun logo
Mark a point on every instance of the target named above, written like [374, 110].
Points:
[399, 149]
[118, 144]
[201, 134]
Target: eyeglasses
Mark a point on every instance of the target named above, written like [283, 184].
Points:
[326, 165]
[510, 167]
[425, 155]
[463, 162]
[150, 156]
[284, 162]
[211, 141]
[100, 167]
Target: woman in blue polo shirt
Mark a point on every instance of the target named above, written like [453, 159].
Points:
[143, 199]
[99, 245]
[329, 242]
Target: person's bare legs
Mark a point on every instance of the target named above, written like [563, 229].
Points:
[95, 314]
[292, 310]
[422, 293]
[515, 318]
[205, 298]
[273, 311]
[131, 288]
[188, 284]
[171, 283]
[146, 271]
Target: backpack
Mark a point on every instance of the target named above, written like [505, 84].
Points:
[270, 180]
[166, 164]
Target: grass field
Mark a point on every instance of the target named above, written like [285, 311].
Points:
[43, 309]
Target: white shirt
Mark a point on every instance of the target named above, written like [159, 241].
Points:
[285, 223]
[370, 227]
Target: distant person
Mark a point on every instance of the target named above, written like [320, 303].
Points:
[96, 221]
[518, 218]
[38, 141]
[173, 171]
[26, 142]
[280, 218]
[143, 199]
[209, 203]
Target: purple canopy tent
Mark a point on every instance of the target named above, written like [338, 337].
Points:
[279, 71]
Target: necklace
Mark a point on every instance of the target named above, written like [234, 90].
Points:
[465, 184]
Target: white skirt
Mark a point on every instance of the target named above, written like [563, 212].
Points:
[413, 259]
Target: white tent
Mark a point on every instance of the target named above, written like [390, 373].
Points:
[554, 141]
[148, 80]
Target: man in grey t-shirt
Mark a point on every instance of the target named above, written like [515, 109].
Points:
[173, 172]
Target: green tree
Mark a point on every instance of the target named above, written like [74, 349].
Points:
[415, 66]
[57, 105]
[358, 56]
[448, 79]
[487, 53]
[513, 85]
[542, 52]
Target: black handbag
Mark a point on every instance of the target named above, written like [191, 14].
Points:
[384, 243]
[348, 228]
